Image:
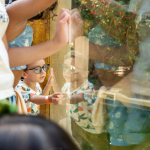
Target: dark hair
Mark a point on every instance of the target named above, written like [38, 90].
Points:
[21, 132]
[40, 15]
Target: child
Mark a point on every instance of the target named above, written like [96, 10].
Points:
[20, 34]
[31, 91]
[80, 105]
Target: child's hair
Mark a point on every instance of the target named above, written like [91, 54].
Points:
[22, 132]
[40, 15]
[75, 54]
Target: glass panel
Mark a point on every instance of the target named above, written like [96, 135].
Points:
[105, 80]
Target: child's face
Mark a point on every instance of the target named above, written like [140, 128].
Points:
[31, 76]
[72, 73]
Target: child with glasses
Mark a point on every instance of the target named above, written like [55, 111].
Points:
[79, 97]
[31, 91]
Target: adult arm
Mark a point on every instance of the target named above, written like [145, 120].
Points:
[19, 56]
[22, 10]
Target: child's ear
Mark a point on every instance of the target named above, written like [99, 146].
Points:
[24, 75]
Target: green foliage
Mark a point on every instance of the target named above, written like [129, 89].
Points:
[6, 108]
[117, 22]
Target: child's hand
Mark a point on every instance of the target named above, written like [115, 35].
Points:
[76, 25]
[62, 28]
[50, 83]
[64, 98]
[51, 79]
[55, 98]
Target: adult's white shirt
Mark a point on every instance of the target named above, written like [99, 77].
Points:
[6, 76]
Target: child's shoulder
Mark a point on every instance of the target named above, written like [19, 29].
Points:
[22, 86]
[21, 83]
[88, 85]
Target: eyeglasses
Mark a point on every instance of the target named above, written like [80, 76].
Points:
[65, 68]
[38, 69]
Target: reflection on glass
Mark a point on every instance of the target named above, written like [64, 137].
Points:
[107, 75]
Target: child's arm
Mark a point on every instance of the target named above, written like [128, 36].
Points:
[73, 99]
[29, 95]
[41, 100]
[19, 56]
[83, 96]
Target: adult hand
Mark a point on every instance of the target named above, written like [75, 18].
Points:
[62, 28]
[76, 25]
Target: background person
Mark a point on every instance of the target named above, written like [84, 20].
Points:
[32, 132]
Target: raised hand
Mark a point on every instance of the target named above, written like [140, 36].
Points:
[62, 28]
[76, 25]
[52, 77]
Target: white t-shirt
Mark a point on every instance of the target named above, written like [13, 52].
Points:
[6, 76]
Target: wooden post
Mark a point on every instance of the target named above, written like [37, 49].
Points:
[58, 112]
[82, 48]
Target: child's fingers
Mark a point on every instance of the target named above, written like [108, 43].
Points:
[56, 94]
[63, 101]
[50, 72]
[51, 78]
[63, 94]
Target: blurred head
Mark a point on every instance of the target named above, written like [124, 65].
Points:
[20, 132]
[74, 67]
[40, 15]
[36, 72]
